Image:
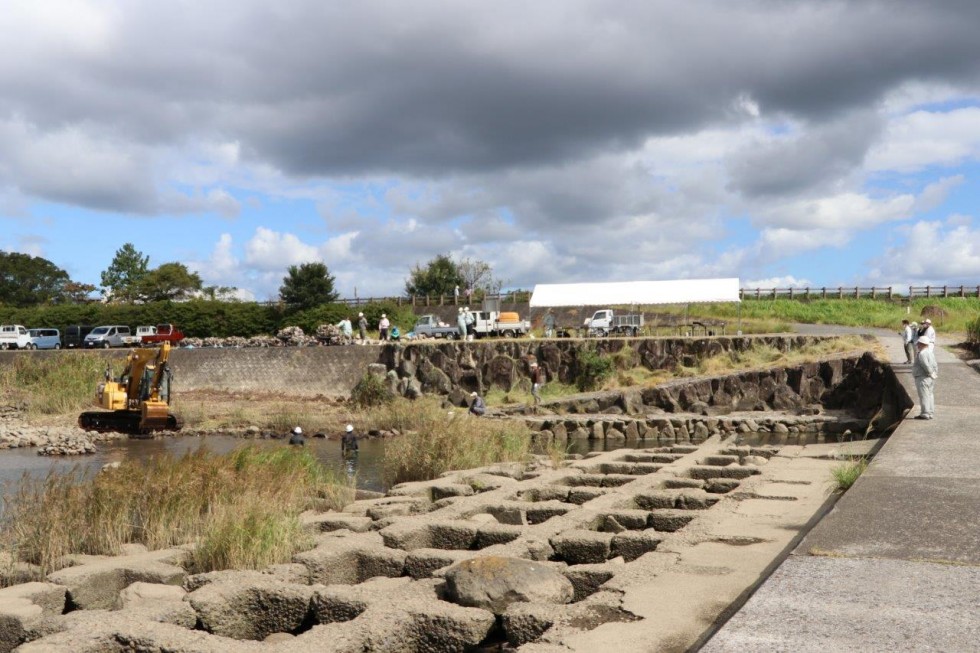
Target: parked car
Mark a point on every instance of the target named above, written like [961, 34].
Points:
[14, 336]
[45, 338]
[75, 335]
[154, 335]
[113, 335]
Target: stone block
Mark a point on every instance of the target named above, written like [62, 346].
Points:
[97, 583]
[578, 547]
[631, 545]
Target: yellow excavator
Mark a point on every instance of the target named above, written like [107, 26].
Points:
[138, 400]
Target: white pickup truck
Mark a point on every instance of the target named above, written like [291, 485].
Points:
[491, 323]
[605, 322]
[14, 336]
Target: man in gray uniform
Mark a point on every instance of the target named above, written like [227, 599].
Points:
[925, 370]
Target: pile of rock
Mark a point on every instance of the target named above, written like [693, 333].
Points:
[74, 444]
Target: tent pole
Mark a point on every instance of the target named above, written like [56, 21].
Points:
[739, 318]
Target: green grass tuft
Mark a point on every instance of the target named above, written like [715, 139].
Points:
[844, 475]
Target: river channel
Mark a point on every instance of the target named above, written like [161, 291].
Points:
[366, 468]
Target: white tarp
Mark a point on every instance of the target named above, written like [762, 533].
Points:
[685, 291]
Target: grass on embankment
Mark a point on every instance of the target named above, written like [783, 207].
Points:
[882, 313]
[434, 440]
[241, 508]
[52, 385]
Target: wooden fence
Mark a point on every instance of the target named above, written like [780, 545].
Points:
[858, 292]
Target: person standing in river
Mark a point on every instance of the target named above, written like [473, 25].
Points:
[925, 371]
[297, 438]
[348, 442]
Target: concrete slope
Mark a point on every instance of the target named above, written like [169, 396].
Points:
[895, 566]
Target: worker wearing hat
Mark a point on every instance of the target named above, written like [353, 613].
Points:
[297, 437]
[461, 323]
[362, 327]
[925, 371]
[478, 407]
[348, 442]
[928, 333]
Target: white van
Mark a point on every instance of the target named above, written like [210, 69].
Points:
[113, 335]
[45, 339]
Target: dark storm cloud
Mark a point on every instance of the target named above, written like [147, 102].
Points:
[424, 88]
[825, 153]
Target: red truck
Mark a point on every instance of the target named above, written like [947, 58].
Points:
[154, 335]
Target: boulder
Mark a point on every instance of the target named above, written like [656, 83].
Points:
[494, 583]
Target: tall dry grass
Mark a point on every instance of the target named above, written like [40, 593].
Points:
[241, 509]
[52, 385]
[434, 440]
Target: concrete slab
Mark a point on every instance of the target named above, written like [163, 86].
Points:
[832, 604]
[945, 447]
[903, 518]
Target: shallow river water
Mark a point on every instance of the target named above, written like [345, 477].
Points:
[367, 467]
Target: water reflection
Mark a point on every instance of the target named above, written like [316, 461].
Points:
[366, 467]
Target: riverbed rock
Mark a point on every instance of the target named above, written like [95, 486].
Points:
[494, 583]
[251, 605]
[97, 582]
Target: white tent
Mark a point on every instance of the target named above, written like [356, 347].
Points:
[642, 293]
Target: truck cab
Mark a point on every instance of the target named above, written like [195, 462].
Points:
[14, 336]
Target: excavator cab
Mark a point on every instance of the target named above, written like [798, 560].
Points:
[138, 400]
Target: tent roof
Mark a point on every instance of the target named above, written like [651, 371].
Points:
[635, 292]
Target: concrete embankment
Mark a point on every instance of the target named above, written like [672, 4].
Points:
[896, 565]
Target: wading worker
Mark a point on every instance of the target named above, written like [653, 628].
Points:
[925, 371]
[297, 437]
[348, 443]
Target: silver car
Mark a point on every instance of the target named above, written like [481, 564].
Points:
[44, 339]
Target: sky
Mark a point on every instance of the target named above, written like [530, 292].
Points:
[813, 142]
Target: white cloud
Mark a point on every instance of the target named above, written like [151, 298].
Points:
[270, 250]
[787, 281]
[925, 138]
[934, 252]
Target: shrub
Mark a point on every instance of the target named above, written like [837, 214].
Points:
[52, 385]
[371, 390]
[591, 369]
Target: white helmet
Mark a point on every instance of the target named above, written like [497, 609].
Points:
[298, 431]
[349, 428]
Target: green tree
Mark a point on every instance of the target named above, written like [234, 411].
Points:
[76, 292]
[121, 281]
[27, 280]
[307, 285]
[170, 281]
[440, 276]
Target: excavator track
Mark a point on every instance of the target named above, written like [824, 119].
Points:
[123, 421]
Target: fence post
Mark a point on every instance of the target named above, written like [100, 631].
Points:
[928, 291]
[774, 293]
[890, 293]
[758, 293]
[857, 292]
[807, 292]
[945, 291]
[840, 292]
[823, 292]
[791, 292]
[962, 292]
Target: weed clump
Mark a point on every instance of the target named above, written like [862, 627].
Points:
[434, 440]
[240, 509]
[844, 475]
[591, 370]
[371, 390]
